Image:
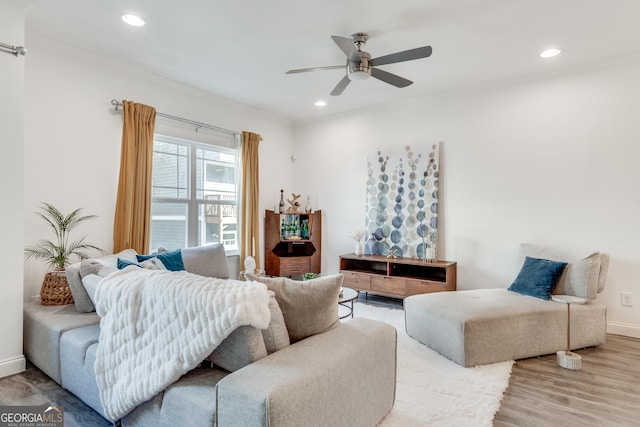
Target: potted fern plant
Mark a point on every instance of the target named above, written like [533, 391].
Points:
[59, 252]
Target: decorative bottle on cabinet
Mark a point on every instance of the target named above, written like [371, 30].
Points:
[307, 208]
[281, 205]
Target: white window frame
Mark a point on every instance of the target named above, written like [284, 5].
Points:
[192, 202]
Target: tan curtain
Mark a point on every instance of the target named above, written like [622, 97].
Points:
[249, 199]
[131, 228]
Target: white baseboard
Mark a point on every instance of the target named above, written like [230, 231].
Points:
[12, 366]
[625, 329]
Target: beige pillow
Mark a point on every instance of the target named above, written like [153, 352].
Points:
[242, 347]
[604, 270]
[208, 260]
[276, 335]
[309, 307]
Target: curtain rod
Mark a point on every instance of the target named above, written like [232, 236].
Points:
[13, 50]
[116, 104]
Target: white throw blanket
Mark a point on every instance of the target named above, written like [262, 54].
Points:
[158, 325]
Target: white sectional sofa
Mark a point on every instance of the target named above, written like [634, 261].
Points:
[344, 374]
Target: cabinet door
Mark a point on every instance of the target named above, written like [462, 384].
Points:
[291, 266]
[388, 285]
[358, 281]
[414, 286]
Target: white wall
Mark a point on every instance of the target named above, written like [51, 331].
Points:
[72, 136]
[552, 162]
[11, 171]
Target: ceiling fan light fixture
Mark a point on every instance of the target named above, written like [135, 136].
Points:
[133, 20]
[358, 75]
[551, 52]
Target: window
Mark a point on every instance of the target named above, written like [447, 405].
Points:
[194, 194]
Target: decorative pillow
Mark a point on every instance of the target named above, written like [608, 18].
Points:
[90, 283]
[538, 277]
[105, 271]
[309, 307]
[74, 277]
[123, 263]
[92, 266]
[276, 336]
[208, 260]
[581, 276]
[604, 270]
[153, 263]
[242, 347]
[171, 260]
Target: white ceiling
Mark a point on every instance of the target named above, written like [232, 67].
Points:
[241, 49]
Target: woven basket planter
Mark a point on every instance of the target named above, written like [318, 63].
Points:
[55, 289]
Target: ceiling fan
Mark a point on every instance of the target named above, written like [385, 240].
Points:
[360, 65]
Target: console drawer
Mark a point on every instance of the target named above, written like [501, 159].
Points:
[388, 285]
[358, 281]
[416, 286]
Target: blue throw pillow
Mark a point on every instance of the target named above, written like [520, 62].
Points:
[123, 263]
[538, 277]
[172, 260]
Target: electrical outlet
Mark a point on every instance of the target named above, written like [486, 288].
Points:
[625, 299]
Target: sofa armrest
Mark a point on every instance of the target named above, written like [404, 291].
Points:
[346, 376]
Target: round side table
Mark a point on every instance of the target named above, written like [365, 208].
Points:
[347, 295]
[567, 359]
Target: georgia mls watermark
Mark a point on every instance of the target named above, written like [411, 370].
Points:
[32, 416]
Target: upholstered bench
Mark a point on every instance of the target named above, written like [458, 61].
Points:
[481, 326]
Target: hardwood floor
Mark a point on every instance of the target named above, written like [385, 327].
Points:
[605, 392]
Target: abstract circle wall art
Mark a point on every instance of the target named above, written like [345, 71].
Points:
[402, 199]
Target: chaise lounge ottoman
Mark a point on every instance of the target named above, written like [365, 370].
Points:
[481, 326]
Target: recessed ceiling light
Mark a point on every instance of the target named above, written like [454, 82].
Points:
[320, 103]
[133, 20]
[550, 53]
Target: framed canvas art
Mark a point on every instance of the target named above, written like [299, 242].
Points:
[402, 201]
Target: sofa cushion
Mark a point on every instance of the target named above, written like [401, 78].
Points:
[276, 335]
[77, 357]
[538, 277]
[74, 276]
[208, 260]
[580, 276]
[243, 346]
[309, 307]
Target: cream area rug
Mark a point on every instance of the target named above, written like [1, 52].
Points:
[431, 390]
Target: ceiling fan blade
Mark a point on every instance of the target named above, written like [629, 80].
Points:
[304, 70]
[346, 45]
[341, 86]
[406, 55]
[390, 78]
